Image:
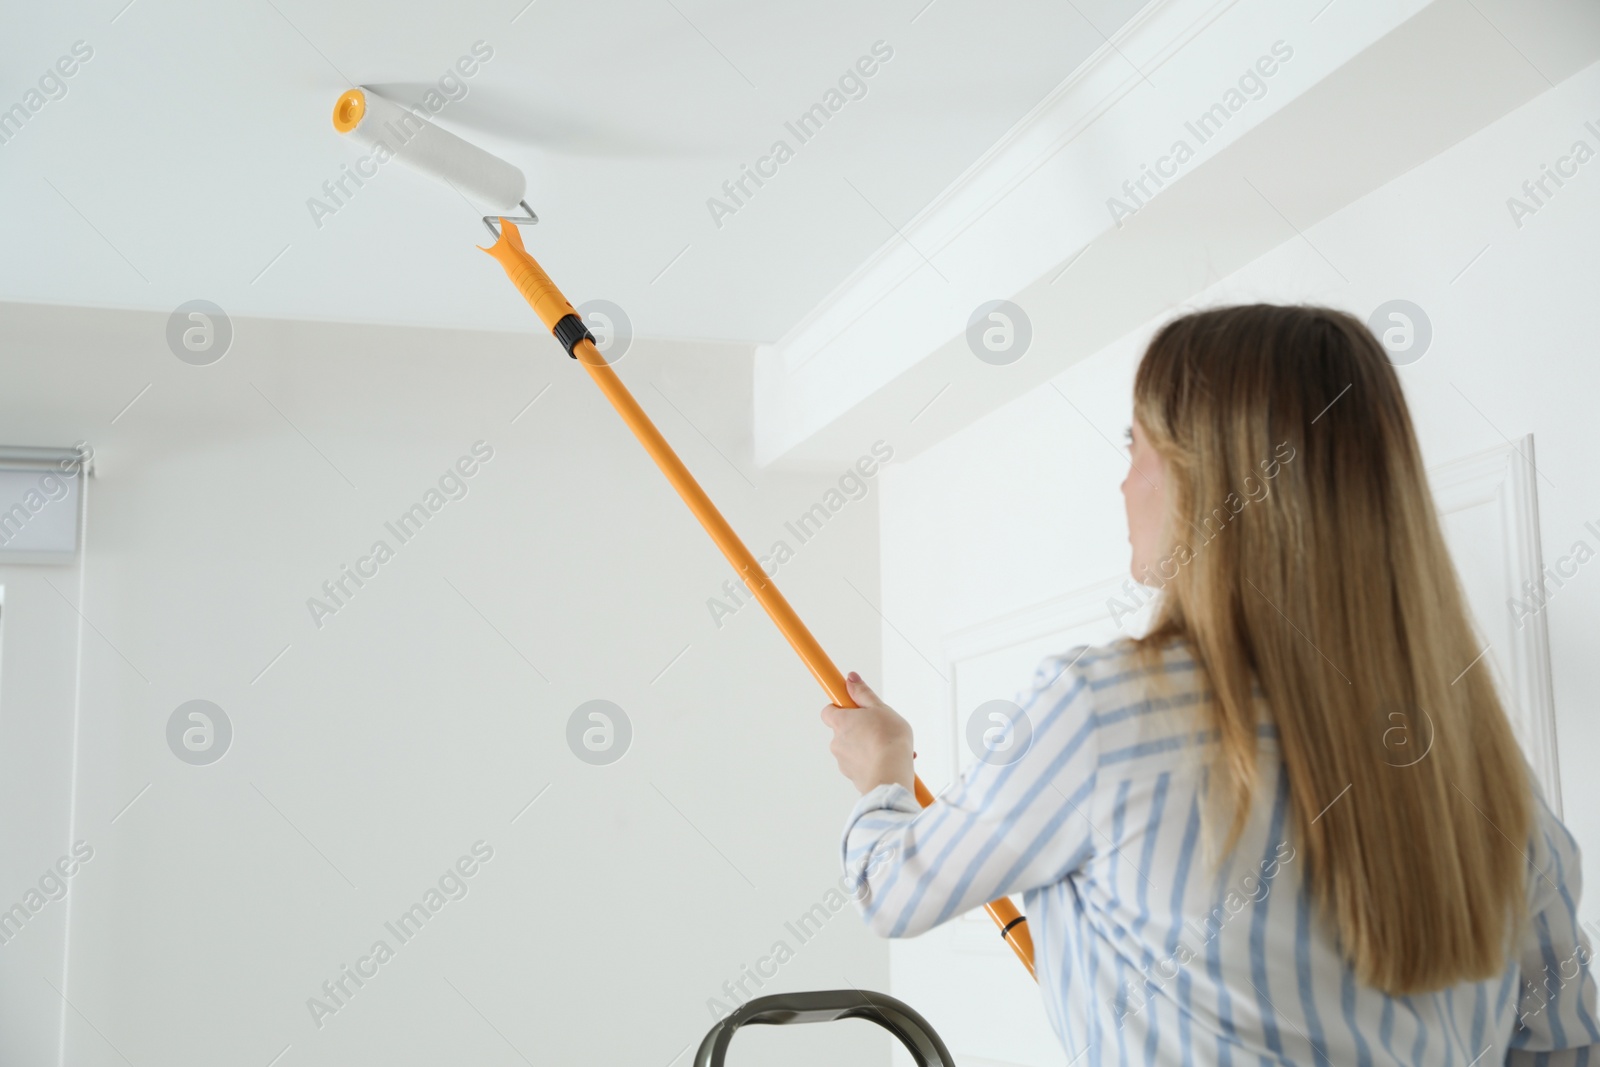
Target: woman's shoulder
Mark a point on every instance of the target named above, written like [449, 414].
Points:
[1133, 690]
[1125, 660]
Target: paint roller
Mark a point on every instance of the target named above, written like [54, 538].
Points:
[396, 132]
[404, 134]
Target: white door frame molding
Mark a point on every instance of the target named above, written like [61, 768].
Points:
[1506, 478]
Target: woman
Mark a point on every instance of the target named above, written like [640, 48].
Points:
[1291, 824]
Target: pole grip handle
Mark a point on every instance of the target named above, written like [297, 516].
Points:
[545, 299]
[529, 278]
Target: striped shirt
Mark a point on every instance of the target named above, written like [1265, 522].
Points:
[1148, 952]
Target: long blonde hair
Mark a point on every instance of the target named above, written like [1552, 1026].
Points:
[1306, 556]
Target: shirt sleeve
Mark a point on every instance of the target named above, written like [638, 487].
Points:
[1556, 1004]
[1018, 818]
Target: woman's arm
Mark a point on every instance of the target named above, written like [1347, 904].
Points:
[1004, 827]
[1556, 1020]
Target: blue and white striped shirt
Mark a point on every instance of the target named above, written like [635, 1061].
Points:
[1149, 952]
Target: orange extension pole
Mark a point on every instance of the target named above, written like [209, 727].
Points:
[541, 293]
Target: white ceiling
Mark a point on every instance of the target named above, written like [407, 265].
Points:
[180, 161]
[1374, 88]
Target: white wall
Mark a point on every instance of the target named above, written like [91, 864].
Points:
[380, 747]
[1023, 506]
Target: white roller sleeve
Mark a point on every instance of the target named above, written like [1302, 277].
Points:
[418, 143]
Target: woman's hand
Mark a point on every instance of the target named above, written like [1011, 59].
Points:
[871, 741]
